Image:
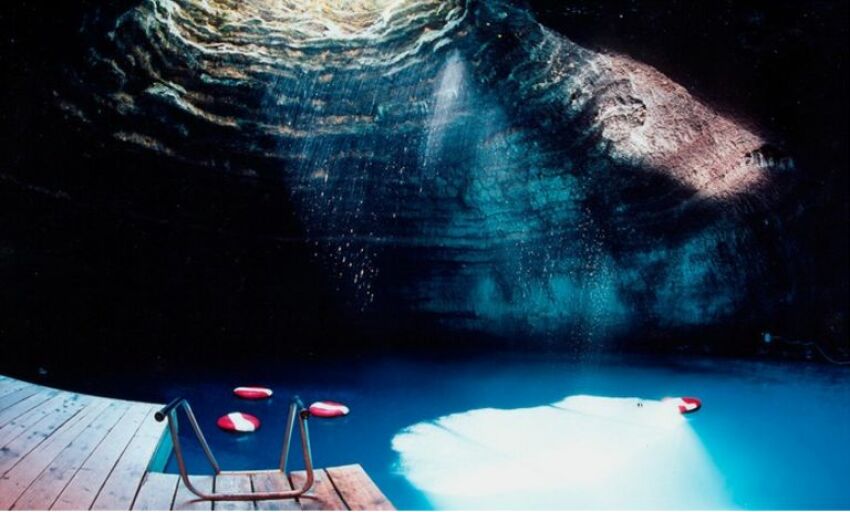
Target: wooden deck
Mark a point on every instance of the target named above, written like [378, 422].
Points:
[69, 451]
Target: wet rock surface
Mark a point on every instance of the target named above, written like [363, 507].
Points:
[446, 167]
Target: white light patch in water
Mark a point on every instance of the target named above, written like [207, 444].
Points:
[582, 452]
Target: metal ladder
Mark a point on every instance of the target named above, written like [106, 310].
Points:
[296, 411]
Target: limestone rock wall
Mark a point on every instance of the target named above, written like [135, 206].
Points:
[454, 162]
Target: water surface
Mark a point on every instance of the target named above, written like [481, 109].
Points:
[776, 434]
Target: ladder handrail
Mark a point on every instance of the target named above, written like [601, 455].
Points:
[297, 411]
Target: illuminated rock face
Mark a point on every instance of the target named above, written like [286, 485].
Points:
[458, 162]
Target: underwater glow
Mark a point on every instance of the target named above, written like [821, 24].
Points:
[581, 452]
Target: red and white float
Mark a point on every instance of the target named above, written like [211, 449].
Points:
[686, 404]
[238, 422]
[328, 409]
[252, 392]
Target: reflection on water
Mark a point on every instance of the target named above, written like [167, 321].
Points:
[581, 452]
[769, 435]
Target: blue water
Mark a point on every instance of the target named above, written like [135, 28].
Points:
[778, 433]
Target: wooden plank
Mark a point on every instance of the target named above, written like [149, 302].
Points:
[10, 386]
[123, 483]
[30, 435]
[26, 411]
[357, 490]
[322, 496]
[42, 448]
[94, 453]
[186, 500]
[273, 481]
[46, 488]
[84, 487]
[233, 483]
[157, 492]
[5, 383]
[42, 395]
[11, 399]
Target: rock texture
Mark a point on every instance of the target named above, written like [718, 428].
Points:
[454, 162]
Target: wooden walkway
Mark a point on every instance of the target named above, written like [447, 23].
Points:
[68, 451]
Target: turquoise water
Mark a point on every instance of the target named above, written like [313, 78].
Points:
[776, 434]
